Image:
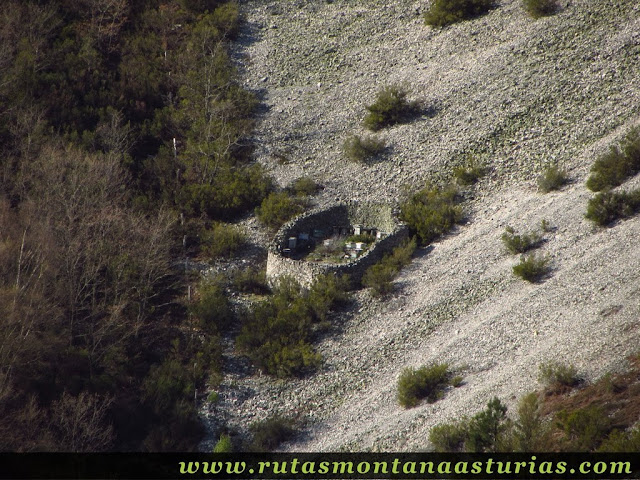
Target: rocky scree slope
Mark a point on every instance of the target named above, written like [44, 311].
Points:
[516, 94]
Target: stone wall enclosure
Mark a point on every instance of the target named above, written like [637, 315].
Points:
[317, 225]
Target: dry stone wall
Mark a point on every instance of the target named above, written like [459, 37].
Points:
[379, 217]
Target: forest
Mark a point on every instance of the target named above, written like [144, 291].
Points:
[124, 139]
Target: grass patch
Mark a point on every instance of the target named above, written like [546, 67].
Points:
[428, 382]
[222, 241]
[432, 212]
[607, 207]
[553, 178]
[446, 12]
[391, 107]
[379, 277]
[362, 149]
[520, 243]
[619, 164]
[540, 8]
[277, 208]
[532, 267]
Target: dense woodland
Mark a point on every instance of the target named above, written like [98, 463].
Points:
[123, 137]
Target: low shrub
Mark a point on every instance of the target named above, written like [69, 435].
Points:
[378, 277]
[540, 8]
[223, 445]
[469, 173]
[222, 241]
[556, 375]
[531, 431]
[278, 334]
[327, 293]
[486, 431]
[250, 280]
[391, 107]
[432, 212]
[363, 237]
[448, 437]
[553, 178]
[278, 208]
[270, 433]
[212, 308]
[607, 207]
[427, 382]
[520, 243]
[619, 164]
[304, 186]
[361, 149]
[584, 428]
[619, 441]
[446, 12]
[532, 268]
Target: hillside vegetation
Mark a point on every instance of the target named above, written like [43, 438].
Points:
[123, 136]
[526, 96]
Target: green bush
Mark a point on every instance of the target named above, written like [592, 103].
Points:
[619, 164]
[424, 383]
[304, 186]
[378, 277]
[553, 178]
[222, 241]
[554, 375]
[432, 212]
[270, 433]
[327, 293]
[277, 209]
[584, 428]
[530, 431]
[619, 441]
[278, 334]
[469, 173]
[361, 149]
[487, 431]
[223, 445]
[233, 192]
[448, 437]
[363, 237]
[250, 280]
[212, 308]
[391, 107]
[532, 267]
[540, 8]
[607, 207]
[517, 243]
[446, 12]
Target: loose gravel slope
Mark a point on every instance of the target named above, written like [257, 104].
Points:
[516, 94]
